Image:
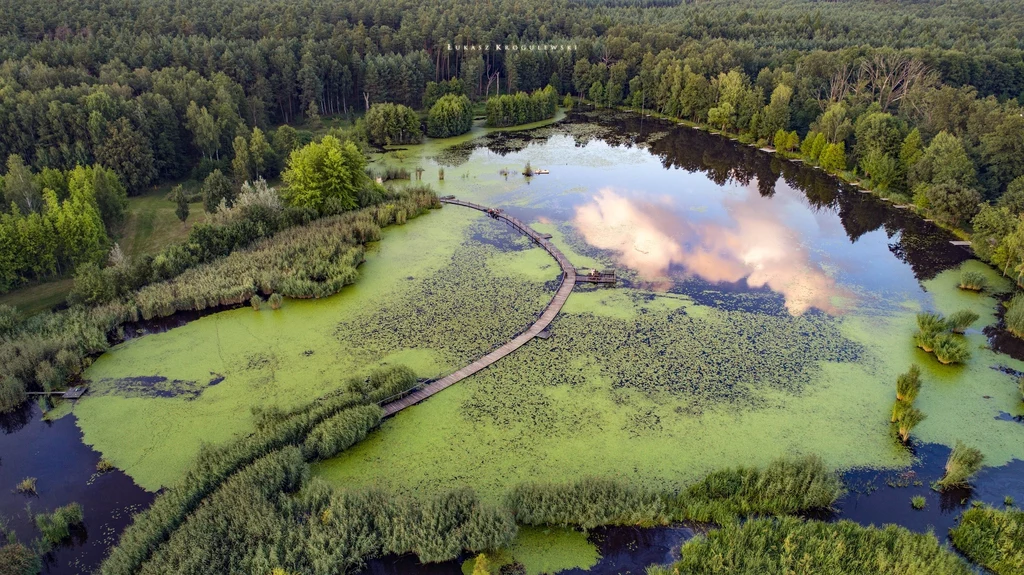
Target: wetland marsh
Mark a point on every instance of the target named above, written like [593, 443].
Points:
[762, 310]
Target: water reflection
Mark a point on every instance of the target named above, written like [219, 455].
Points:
[748, 240]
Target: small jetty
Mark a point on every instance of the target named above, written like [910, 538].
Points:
[538, 329]
[541, 172]
[596, 276]
[72, 393]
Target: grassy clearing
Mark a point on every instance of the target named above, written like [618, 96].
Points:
[992, 538]
[152, 224]
[814, 548]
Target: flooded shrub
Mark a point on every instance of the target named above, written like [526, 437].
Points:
[56, 527]
[256, 301]
[908, 419]
[962, 464]
[971, 280]
[1014, 316]
[587, 503]
[341, 431]
[786, 486]
[908, 384]
[992, 538]
[950, 349]
[814, 548]
[917, 502]
[275, 300]
[527, 170]
[12, 393]
[961, 320]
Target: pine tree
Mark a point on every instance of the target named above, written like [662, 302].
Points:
[181, 209]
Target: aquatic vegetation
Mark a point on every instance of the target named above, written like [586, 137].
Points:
[341, 431]
[1020, 387]
[1008, 501]
[972, 280]
[255, 302]
[784, 487]
[962, 464]
[917, 502]
[908, 419]
[56, 526]
[275, 300]
[587, 503]
[961, 320]
[1014, 316]
[17, 559]
[929, 326]
[27, 486]
[951, 349]
[992, 538]
[103, 466]
[813, 548]
[543, 550]
[908, 384]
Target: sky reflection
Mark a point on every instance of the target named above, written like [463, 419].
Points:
[746, 237]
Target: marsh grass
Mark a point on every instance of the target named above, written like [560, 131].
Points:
[790, 545]
[104, 466]
[972, 280]
[962, 464]
[27, 486]
[992, 538]
[950, 349]
[961, 320]
[908, 420]
[908, 384]
[918, 502]
[56, 527]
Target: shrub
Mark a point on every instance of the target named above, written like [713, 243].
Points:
[971, 280]
[451, 115]
[56, 526]
[962, 464]
[961, 320]
[104, 466]
[275, 300]
[908, 384]
[527, 170]
[950, 349]
[917, 502]
[790, 545]
[255, 301]
[16, 559]
[992, 539]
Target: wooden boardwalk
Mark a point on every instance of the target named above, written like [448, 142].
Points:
[552, 309]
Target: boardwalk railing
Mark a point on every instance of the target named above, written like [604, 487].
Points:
[554, 306]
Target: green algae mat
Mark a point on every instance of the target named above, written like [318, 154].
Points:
[753, 320]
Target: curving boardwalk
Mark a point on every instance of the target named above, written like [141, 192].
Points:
[552, 309]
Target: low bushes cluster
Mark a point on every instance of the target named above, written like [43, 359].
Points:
[939, 335]
[992, 538]
[790, 545]
[521, 108]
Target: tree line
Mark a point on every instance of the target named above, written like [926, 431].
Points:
[522, 108]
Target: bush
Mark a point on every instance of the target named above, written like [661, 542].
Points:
[790, 545]
[974, 281]
[255, 301]
[952, 203]
[275, 300]
[16, 559]
[917, 502]
[992, 539]
[450, 116]
[962, 464]
[961, 320]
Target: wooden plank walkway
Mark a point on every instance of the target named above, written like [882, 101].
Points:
[545, 319]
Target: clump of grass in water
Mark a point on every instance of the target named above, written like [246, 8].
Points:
[929, 326]
[908, 420]
[992, 539]
[27, 486]
[104, 466]
[56, 526]
[528, 170]
[962, 464]
[1008, 501]
[950, 349]
[917, 502]
[909, 384]
[971, 280]
[961, 320]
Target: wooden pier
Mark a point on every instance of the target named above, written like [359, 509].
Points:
[538, 328]
[73, 393]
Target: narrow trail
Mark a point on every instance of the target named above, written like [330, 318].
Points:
[552, 309]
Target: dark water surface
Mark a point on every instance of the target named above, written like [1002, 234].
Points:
[65, 468]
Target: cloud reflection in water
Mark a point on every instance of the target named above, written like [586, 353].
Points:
[651, 235]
